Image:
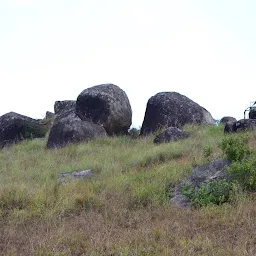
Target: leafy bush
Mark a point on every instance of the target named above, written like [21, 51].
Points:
[235, 147]
[245, 173]
[243, 168]
[214, 192]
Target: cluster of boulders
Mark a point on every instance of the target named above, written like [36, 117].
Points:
[231, 125]
[98, 111]
[104, 110]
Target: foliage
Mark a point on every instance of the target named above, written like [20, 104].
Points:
[235, 147]
[243, 168]
[214, 192]
[244, 173]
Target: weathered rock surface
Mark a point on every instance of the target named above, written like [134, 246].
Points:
[15, 127]
[226, 119]
[215, 170]
[106, 105]
[72, 129]
[241, 125]
[49, 115]
[64, 108]
[171, 134]
[230, 127]
[167, 109]
[252, 113]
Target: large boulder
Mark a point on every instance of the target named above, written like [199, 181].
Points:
[64, 108]
[72, 129]
[167, 109]
[106, 105]
[215, 170]
[241, 125]
[252, 113]
[226, 119]
[170, 134]
[15, 127]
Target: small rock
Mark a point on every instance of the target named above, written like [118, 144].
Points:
[74, 175]
[171, 134]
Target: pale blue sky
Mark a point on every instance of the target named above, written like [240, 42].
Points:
[53, 49]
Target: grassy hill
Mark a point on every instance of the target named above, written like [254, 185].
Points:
[124, 208]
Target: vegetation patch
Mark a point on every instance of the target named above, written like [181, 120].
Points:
[124, 208]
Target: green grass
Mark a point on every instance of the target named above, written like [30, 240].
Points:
[123, 209]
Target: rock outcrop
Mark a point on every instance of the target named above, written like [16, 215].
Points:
[167, 109]
[171, 134]
[72, 129]
[106, 105]
[215, 170]
[15, 127]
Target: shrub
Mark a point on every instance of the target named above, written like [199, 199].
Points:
[245, 173]
[214, 192]
[243, 168]
[235, 147]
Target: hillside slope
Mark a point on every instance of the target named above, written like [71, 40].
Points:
[124, 208]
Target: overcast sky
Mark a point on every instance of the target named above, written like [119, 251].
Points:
[53, 49]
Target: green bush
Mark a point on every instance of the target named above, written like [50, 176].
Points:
[243, 168]
[214, 192]
[235, 147]
[244, 173]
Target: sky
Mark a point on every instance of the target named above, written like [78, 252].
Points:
[54, 49]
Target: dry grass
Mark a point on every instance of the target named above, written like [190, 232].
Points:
[124, 208]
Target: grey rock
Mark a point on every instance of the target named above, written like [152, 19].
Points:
[15, 127]
[167, 109]
[64, 108]
[72, 129]
[241, 125]
[226, 119]
[64, 177]
[106, 105]
[230, 127]
[64, 105]
[49, 115]
[215, 170]
[171, 134]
